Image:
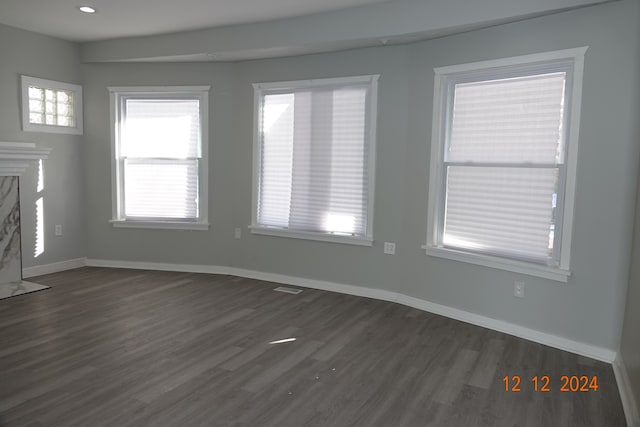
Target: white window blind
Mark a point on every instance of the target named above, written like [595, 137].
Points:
[314, 164]
[160, 152]
[504, 162]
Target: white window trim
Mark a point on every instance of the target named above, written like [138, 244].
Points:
[258, 92]
[310, 235]
[203, 170]
[442, 74]
[159, 225]
[27, 126]
[552, 273]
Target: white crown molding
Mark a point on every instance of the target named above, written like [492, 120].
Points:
[15, 157]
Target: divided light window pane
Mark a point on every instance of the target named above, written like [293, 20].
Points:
[503, 164]
[517, 120]
[160, 150]
[157, 188]
[314, 160]
[501, 211]
[51, 107]
[161, 128]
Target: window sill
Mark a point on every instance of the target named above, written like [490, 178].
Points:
[308, 235]
[551, 273]
[160, 225]
[40, 128]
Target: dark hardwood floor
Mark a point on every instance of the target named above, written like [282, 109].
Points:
[107, 347]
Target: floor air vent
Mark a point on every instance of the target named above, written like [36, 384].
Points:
[288, 290]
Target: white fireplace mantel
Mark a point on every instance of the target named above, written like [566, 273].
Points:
[15, 157]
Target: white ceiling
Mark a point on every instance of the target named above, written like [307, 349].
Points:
[126, 18]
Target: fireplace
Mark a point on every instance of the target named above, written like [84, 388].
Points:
[15, 159]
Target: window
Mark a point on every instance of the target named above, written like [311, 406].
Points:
[503, 162]
[314, 156]
[159, 157]
[50, 106]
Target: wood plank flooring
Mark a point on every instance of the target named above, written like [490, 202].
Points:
[108, 347]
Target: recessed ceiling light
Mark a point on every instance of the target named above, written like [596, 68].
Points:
[86, 9]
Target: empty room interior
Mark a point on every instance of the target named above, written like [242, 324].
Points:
[320, 213]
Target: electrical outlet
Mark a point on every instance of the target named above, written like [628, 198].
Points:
[58, 230]
[389, 248]
[518, 289]
[238, 233]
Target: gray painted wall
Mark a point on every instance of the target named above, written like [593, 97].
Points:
[23, 52]
[322, 32]
[340, 263]
[589, 308]
[210, 247]
[630, 343]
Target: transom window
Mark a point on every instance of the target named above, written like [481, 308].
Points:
[50, 106]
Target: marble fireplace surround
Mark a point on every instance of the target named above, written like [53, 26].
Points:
[15, 159]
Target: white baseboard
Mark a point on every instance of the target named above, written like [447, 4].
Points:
[55, 267]
[379, 294]
[587, 350]
[555, 341]
[626, 393]
[135, 265]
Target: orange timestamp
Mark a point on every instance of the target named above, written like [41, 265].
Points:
[542, 383]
